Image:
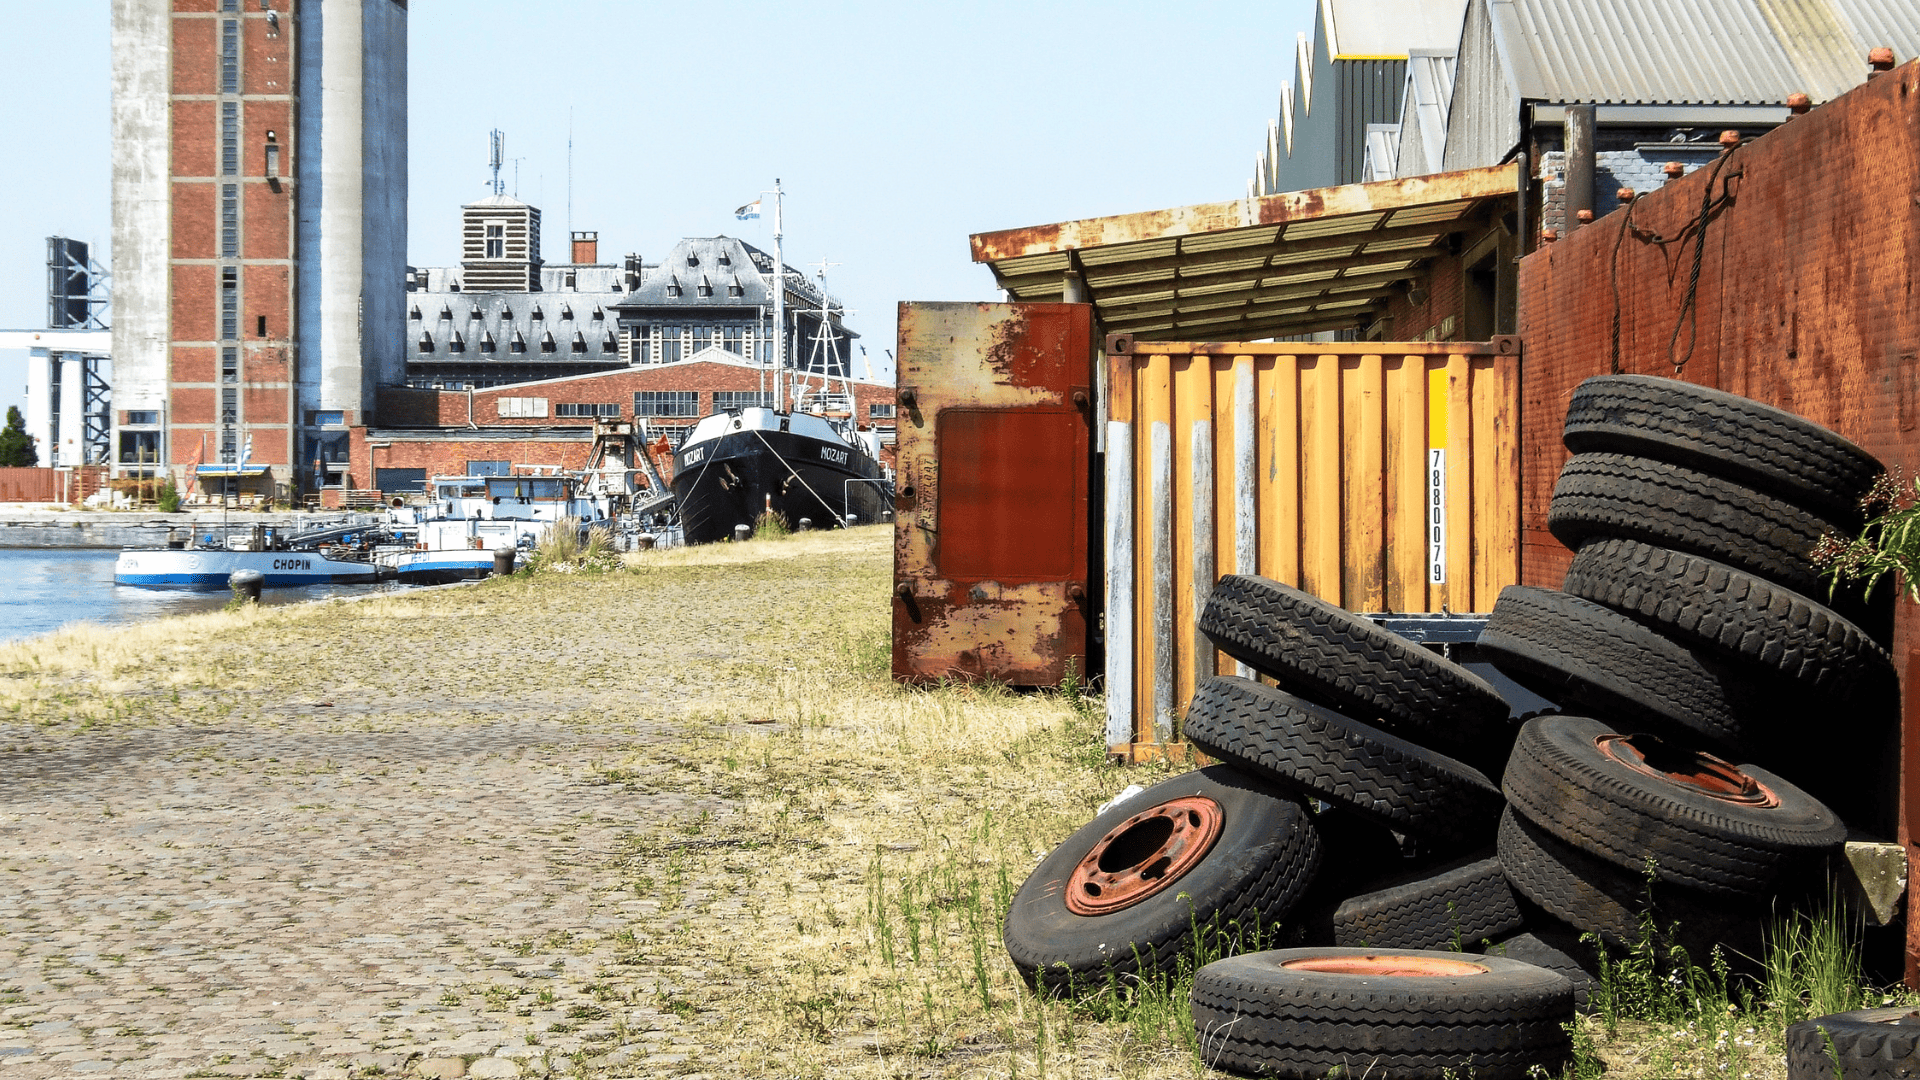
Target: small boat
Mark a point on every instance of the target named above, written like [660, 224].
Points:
[328, 556]
[467, 518]
[739, 464]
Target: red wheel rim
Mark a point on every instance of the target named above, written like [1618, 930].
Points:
[1711, 776]
[1423, 967]
[1143, 855]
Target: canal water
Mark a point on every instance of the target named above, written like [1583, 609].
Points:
[44, 589]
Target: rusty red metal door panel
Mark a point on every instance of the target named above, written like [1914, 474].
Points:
[991, 516]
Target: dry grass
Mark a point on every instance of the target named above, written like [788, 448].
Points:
[854, 892]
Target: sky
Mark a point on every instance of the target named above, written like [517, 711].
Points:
[896, 130]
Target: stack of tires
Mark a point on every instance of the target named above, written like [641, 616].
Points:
[1351, 814]
[1378, 806]
[1690, 650]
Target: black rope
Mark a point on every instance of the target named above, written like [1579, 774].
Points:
[1689, 313]
[1626, 226]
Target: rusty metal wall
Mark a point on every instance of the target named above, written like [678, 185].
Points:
[991, 511]
[1804, 300]
[1379, 476]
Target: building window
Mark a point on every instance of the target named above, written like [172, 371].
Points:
[496, 241]
[878, 411]
[139, 447]
[518, 344]
[326, 418]
[486, 341]
[456, 343]
[490, 468]
[229, 303]
[546, 342]
[639, 345]
[524, 408]
[143, 416]
[230, 138]
[670, 344]
[229, 221]
[570, 280]
[579, 342]
[230, 56]
[260, 326]
[727, 400]
[702, 339]
[426, 342]
[730, 339]
[608, 345]
[666, 403]
[586, 409]
[229, 364]
[229, 406]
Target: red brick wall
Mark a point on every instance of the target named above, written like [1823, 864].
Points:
[195, 137]
[266, 63]
[195, 232]
[1805, 301]
[195, 53]
[195, 303]
[193, 363]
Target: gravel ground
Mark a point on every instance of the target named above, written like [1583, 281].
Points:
[487, 831]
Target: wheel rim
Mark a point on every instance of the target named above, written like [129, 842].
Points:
[1143, 855]
[1423, 967]
[1711, 776]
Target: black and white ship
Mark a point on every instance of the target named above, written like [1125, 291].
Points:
[737, 465]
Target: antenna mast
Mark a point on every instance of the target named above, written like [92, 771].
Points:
[497, 145]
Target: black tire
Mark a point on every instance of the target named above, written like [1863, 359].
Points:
[1869, 1044]
[1264, 858]
[1720, 433]
[1560, 952]
[1351, 765]
[1329, 655]
[1592, 659]
[1255, 1015]
[1562, 780]
[1617, 495]
[1455, 906]
[1741, 617]
[1594, 895]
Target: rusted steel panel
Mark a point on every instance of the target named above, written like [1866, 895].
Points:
[1336, 495]
[1380, 197]
[1804, 301]
[990, 524]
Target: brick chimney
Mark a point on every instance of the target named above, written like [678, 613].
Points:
[586, 247]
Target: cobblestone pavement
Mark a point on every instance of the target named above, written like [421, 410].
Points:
[304, 898]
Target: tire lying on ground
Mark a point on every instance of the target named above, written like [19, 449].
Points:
[1719, 433]
[1341, 761]
[1591, 894]
[1558, 951]
[1329, 655]
[1455, 906]
[1305, 1012]
[1870, 1044]
[1634, 498]
[1744, 618]
[1706, 824]
[1211, 849]
[1591, 658]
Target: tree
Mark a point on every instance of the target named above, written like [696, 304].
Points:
[16, 446]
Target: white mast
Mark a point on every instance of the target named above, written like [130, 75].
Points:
[779, 304]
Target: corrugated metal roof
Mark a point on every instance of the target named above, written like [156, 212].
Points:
[1387, 29]
[1290, 263]
[1699, 52]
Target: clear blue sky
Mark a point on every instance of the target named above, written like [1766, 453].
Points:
[896, 129]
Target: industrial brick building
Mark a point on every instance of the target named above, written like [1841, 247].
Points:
[259, 224]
